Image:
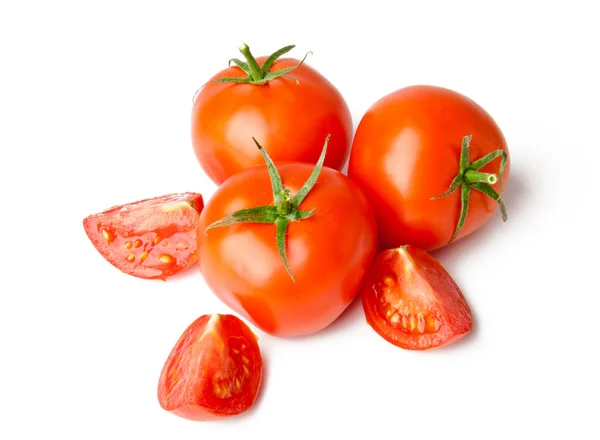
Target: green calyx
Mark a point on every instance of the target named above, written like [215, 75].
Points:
[469, 177]
[257, 74]
[285, 208]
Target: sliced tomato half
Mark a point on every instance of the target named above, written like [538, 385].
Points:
[152, 238]
[214, 370]
[412, 302]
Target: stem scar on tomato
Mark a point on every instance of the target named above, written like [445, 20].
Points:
[469, 177]
[261, 75]
[285, 208]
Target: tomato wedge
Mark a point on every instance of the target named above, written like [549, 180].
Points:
[412, 302]
[151, 238]
[214, 370]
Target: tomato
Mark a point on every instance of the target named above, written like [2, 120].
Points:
[290, 267]
[290, 115]
[415, 144]
[412, 302]
[152, 238]
[214, 370]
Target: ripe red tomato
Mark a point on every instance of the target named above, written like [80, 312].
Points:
[152, 238]
[290, 116]
[407, 150]
[412, 302]
[331, 241]
[214, 370]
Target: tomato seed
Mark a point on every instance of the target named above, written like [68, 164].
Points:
[237, 386]
[130, 257]
[220, 390]
[421, 326]
[157, 239]
[165, 259]
[433, 324]
[137, 243]
[143, 256]
[127, 245]
[107, 235]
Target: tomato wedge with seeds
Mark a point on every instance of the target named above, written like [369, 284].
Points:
[214, 370]
[412, 302]
[151, 238]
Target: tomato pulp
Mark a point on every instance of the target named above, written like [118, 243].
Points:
[152, 238]
[214, 370]
[412, 302]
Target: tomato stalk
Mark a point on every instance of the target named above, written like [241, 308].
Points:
[257, 74]
[470, 177]
[285, 208]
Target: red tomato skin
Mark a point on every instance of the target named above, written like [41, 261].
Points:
[328, 253]
[143, 230]
[447, 295]
[196, 399]
[289, 120]
[407, 149]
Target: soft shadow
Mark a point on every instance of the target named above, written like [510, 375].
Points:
[192, 271]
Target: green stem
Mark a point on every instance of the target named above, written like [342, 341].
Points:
[255, 71]
[469, 177]
[473, 176]
[285, 208]
[283, 203]
[260, 75]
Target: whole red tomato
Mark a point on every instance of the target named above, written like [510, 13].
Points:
[284, 249]
[284, 103]
[422, 142]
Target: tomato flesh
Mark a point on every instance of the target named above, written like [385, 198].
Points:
[152, 238]
[412, 302]
[214, 370]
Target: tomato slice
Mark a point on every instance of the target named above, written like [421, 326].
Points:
[412, 302]
[214, 370]
[152, 238]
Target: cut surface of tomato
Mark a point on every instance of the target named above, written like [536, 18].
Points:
[151, 238]
[214, 370]
[412, 302]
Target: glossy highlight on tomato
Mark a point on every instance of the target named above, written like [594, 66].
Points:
[289, 114]
[213, 371]
[329, 248]
[407, 151]
[151, 238]
[412, 302]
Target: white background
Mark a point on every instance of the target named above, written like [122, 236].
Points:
[95, 101]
